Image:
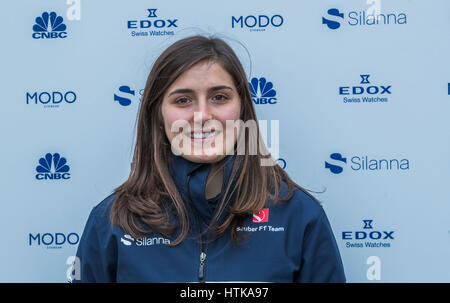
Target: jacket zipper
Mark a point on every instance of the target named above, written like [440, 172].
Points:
[202, 267]
[203, 250]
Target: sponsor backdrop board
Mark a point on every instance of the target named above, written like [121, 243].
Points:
[360, 89]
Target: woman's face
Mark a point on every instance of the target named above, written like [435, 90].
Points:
[196, 108]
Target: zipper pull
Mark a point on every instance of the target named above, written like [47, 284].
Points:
[201, 269]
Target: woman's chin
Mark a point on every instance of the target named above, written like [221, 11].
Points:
[204, 158]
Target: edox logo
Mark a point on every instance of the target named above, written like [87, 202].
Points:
[369, 89]
[52, 167]
[367, 224]
[153, 23]
[151, 13]
[372, 234]
[49, 26]
[262, 91]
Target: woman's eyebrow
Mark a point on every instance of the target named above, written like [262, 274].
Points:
[188, 90]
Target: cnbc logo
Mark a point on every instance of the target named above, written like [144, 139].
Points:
[126, 95]
[49, 26]
[365, 92]
[335, 18]
[52, 167]
[262, 91]
[337, 163]
[152, 26]
[281, 162]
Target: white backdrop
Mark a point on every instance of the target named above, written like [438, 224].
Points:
[363, 111]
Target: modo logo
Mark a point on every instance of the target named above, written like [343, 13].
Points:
[49, 26]
[262, 91]
[364, 163]
[53, 239]
[52, 167]
[51, 98]
[259, 22]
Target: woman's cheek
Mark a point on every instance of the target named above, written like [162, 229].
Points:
[173, 118]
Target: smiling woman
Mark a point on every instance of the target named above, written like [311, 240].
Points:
[205, 92]
[209, 205]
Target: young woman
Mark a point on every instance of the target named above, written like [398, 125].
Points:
[199, 204]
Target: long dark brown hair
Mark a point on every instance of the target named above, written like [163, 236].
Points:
[142, 201]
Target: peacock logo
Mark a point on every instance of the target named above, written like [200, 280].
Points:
[49, 26]
[262, 91]
[52, 167]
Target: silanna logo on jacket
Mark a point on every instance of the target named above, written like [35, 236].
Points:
[127, 240]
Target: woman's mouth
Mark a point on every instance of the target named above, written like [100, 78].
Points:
[203, 136]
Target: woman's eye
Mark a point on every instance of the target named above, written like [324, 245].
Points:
[220, 98]
[182, 100]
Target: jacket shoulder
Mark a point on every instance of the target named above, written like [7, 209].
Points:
[99, 217]
[101, 210]
[301, 201]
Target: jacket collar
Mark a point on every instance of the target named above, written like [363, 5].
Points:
[186, 173]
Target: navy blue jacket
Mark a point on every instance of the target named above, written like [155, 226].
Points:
[287, 242]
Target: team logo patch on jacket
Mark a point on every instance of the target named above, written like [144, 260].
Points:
[262, 216]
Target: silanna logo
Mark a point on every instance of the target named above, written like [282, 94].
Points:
[52, 167]
[257, 23]
[370, 17]
[338, 162]
[49, 26]
[365, 92]
[368, 236]
[262, 91]
[153, 25]
[127, 95]
[128, 240]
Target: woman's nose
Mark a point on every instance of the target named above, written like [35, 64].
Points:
[202, 111]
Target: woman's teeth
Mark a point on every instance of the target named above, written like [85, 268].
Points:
[203, 135]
